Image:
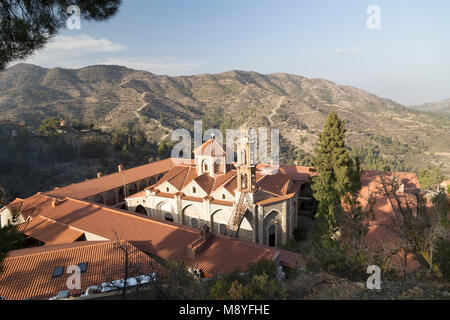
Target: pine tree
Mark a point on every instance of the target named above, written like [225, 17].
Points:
[337, 173]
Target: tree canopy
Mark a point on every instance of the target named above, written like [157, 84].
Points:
[27, 25]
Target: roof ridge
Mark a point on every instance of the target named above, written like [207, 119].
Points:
[96, 243]
[132, 214]
[60, 223]
[110, 175]
[185, 177]
[228, 179]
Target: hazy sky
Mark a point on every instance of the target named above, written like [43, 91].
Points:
[407, 60]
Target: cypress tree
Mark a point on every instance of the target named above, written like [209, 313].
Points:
[337, 173]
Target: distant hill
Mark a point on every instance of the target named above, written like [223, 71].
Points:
[112, 95]
[440, 106]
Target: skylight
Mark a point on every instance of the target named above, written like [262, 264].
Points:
[83, 267]
[57, 272]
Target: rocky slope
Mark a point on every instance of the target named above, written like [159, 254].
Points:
[112, 95]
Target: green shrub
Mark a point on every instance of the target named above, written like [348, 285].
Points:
[291, 245]
[442, 258]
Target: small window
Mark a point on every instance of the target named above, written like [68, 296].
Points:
[223, 196]
[194, 190]
[83, 267]
[58, 272]
[167, 189]
[222, 228]
[194, 223]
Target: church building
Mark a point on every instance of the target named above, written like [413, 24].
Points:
[247, 200]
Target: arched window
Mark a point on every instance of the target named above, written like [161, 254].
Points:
[223, 196]
[194, 189]
[244, 181]
[140, 209]
[205, 166]
[194, 223]
[168, 217]
[167, 189]
[244, 156]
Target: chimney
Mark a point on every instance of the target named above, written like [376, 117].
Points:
[99, 174]
[401, 189]
[295, 163]
[120, 167]
[200, 243]
[56, 203]
[204, 232]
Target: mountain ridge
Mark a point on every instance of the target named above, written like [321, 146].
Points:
[439, 106]
[113, 96]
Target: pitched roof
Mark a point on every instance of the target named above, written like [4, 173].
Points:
[291, 259]
[163, 239]
[223, 255]
[206, 182]
[49, 231]
[178, 177]
[85, 189]
[299, 173]
[30, 206]
[210, 148]
[28, 273]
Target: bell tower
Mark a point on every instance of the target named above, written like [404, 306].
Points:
[246, 164]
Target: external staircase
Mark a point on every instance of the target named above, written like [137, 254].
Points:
[238, 214]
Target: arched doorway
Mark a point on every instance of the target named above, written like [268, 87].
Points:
[272, 236]
[141, 210]
[272, 229]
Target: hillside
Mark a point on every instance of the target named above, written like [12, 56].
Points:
[440, 106]
[111, 96]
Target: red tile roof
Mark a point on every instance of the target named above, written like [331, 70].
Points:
[291, 259]
[383, 208]
[85, 189]
[28, 273]
[49, 231]
[163, 239]
[299, 173]
[31, 206]
[206, 182]
[223, 255]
